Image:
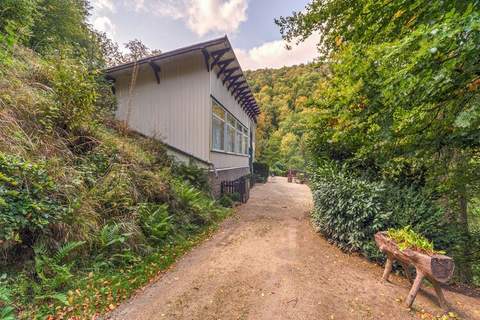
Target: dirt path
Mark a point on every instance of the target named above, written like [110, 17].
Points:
[267, 262]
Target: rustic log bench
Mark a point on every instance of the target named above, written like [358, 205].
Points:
[436, 268]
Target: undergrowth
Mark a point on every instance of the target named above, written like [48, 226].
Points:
[349, 210]
[89, 211]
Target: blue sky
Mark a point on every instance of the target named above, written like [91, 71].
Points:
[170, 24]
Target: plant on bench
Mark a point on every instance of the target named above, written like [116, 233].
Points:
[411, 249]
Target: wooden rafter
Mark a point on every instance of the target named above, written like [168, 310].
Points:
[223, 66]
[206, 57]
[156, 70]
[236, 81]
[217, 55]
[229, 74]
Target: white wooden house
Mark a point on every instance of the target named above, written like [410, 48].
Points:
[197, 101]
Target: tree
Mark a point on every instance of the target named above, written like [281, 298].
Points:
[283, 97]
[403, 99]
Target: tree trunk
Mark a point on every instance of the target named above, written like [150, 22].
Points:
[465, 268]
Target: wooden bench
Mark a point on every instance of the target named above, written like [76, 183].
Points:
[437, 268]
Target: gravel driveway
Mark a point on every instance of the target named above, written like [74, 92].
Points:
[267, 262]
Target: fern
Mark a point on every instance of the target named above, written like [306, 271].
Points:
[156, 222]
[66, 249]
[112, 235]
[7, 313]
[53, 271]
[4, 294]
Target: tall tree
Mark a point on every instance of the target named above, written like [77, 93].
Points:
[404, 97]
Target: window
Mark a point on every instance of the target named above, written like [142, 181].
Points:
[245, 144]
[218, 128]
[245, 141]
[228, 134]
[230, 139]
[239, 143]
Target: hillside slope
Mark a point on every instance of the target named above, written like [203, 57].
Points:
[88, 210]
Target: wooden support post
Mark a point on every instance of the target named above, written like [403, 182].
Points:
[406, 269]
[415, 287]
[388, 269]
[441, 298]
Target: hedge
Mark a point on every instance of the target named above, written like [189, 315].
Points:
[261, 171]
[349, 210]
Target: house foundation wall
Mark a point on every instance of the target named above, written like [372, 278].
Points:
[217, 177]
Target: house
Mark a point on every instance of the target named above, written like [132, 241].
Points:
[197, 101]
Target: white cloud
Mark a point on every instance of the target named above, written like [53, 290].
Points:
[275, 55]
[103, 5]
[98, 18]
[104, 24]
[216, 15]
[200, 16]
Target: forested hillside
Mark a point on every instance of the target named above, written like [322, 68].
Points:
[89, 211]
[287, 98]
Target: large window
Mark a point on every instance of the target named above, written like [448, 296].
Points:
[228, 134]
[218, 125]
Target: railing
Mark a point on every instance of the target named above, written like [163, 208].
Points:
[240, 186]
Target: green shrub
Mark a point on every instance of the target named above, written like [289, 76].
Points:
[279, 169]
[260, 179]
[349, 210]
[27, 202]
[261, 171]
[7, 312]
[155, 221]
[193, 209]
[226, 201]
[75, 92]
[235, 196]
[194, 175]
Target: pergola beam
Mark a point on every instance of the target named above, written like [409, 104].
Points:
[240, 91]
[206, 57]
[249, 104]
[223, 66]
[243, 96]
[156, 70]
[217, 55]
[236, 85]
[233, 81]
[249, 100]
[229, 74]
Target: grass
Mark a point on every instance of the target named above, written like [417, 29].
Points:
[96, 293]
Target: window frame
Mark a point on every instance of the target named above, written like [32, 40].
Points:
[243, 132]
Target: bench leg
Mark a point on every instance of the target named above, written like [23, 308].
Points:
[441, 298]
[407, 272]
[388, 269]
[414, 290]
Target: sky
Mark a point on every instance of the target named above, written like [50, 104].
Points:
[170, 24]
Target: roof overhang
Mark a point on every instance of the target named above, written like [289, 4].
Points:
[219, 57]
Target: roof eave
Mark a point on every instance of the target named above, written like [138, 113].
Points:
[169, 54]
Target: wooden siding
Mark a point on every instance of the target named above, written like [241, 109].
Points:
[224, 160]
[176, 111]
[220, 92]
